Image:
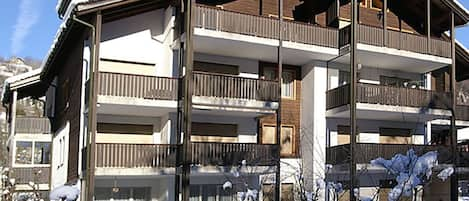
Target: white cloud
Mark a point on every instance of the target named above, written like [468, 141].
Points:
[28, 16]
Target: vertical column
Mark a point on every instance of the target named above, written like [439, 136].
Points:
[428, 24]
[13, 114]
[94, 84]
[385, 23]
[353, 106]
[187, 108]
[454, 133]
[279, 109]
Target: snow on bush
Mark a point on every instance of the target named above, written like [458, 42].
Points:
[64, 193]
[411, 171]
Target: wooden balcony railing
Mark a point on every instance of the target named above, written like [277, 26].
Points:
[462, 112]
[388, 95]
[398, 40]
[110, 155]
[226, 86]
[368, 151]
[135, 155]
[24, 175]
[137, 86]
[205, 84]
[31, 125]
[233, 154]
[252, 25]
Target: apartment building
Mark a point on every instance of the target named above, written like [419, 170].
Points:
[115, 76]
[29, 139]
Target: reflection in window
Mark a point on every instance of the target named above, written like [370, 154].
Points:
[28, 153]
[42, 153]
[288, 82]
[24, 152]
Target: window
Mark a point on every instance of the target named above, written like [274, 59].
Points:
[30, 152]
[378, 4]
[211, 192]
[286, 194]
[287, 138]
[24, 152]
[42, 153]
[288, 82]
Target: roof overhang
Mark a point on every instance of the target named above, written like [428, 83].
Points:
[27, 85]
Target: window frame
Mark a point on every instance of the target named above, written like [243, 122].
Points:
[33, 147]
[294, 142]
[293, 71]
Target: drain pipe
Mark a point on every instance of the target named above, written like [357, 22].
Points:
[91, 146]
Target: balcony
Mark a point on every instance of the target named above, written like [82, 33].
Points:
[341, 154]
[397, 40]
[110, 155]
[210, 91]
[165, 156]
[228, 154]
[372, 99]
[24, 175]
[258, 36]
[30, 125]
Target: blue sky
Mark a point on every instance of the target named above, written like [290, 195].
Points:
[28, 27]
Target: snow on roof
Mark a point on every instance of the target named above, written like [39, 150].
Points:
[461, 6]
[23, 76]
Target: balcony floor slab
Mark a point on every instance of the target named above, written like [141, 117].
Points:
[388, 112]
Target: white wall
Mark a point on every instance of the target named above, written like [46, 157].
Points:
[247, 67]
[59, 163]
[145, 38]
[369, 129]
[369, 74]
[313, 120]
[247, 126]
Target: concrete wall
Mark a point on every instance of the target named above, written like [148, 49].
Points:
[247, 67]
[370, 75]
[144, 38]
[247, 126]
[156, 122]
[369, 129]
[313, 120]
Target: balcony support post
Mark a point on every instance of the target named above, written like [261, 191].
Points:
[454, 133]
[353, 106]
[187, 110]
[279, 109]
[385, 23]
[428, 25]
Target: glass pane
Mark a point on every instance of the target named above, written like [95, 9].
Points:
[24, 152]
[286, 141]
[270, 74]
[103, 194]
[194, 193]
[141, 194]
[209, 193]
[377, 4]
[268, 135]
[287, 84]
[42, 153]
